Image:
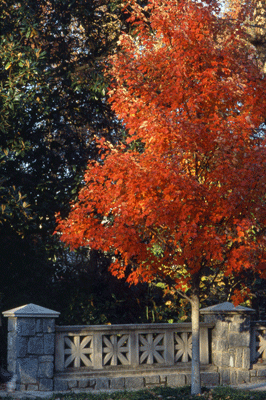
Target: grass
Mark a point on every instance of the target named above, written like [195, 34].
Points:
[165, 393]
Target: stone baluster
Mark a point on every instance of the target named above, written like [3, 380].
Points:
[31, 346]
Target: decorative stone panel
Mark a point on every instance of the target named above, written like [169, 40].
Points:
[142, 346]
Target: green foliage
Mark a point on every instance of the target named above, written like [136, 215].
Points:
[89, 294]
[52, 97]
[53, 103]
[226, 393]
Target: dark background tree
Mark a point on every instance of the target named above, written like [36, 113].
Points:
[53, 103]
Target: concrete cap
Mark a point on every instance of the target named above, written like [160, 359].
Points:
[31, 311]
[226, 307]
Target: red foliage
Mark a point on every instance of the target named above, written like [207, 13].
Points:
[192, 196]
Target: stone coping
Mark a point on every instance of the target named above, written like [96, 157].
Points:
[259, 324]
[226, 307]
[185, 326]
[31, 311]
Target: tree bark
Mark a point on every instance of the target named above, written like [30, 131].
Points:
[195, 370]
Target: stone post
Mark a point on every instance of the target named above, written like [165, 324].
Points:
[231, 340]
[31, 346]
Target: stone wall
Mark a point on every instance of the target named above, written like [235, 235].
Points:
[47, 357]
[31, 346]
[126, 380]
[231, 341]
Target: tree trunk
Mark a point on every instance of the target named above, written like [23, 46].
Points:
[195, 370]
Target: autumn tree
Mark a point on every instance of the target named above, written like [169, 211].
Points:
[184, 197]
[255, 23]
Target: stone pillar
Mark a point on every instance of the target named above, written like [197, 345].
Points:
[231, 340]
[31, 346]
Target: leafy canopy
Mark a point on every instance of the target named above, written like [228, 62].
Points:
[190, 200]
[53, 102]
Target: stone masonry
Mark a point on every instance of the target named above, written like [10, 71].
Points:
[45, 357]
[31, 341]
[231, 341]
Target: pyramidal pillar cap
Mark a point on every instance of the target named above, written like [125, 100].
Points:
[31, 311]
[226, 308]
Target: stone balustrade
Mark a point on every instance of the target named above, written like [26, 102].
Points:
[47, 357]
[131, 346]
[258, 341]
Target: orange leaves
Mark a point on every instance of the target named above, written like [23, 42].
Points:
[192, 195]
[241, 295]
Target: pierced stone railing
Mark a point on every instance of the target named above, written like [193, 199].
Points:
[258, 342]
[134, 346]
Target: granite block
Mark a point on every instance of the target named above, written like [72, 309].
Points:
[32, 387]
[102, 383]
[35, 345]
[83, 383]
[176, 380]
[152, 379]
[26, 326]
[117, 383]
[49, 343]
[48, 325]
[60, 385]
[27, 370]
[46, 385]
[46, 370]
[134, 382]
[72, 383]
[210, 378]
